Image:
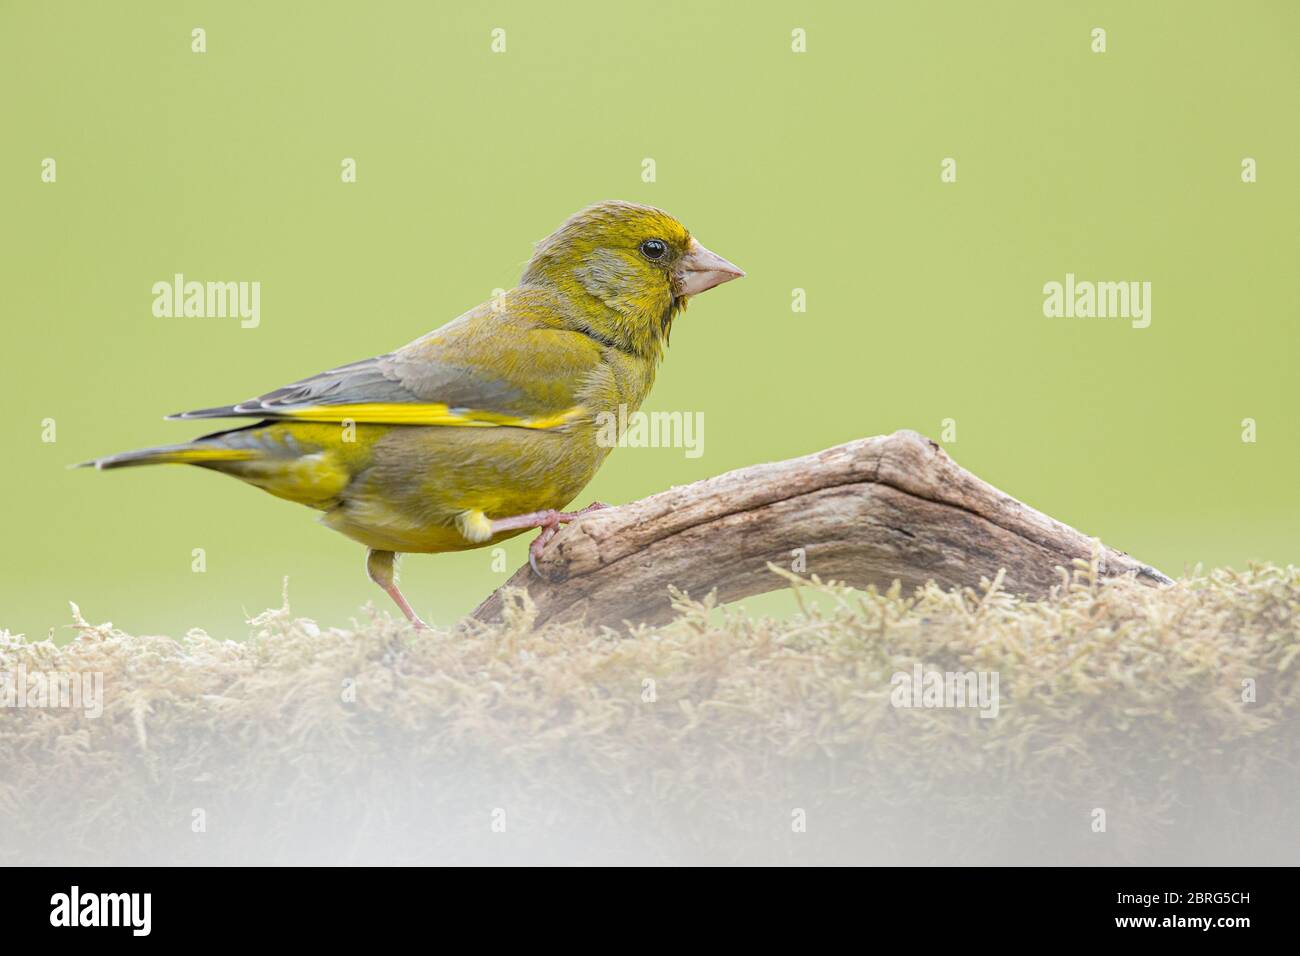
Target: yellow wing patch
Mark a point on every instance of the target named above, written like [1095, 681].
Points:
[399, 413]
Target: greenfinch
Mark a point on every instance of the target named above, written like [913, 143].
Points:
[483, 428]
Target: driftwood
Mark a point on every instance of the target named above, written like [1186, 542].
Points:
[893, 507]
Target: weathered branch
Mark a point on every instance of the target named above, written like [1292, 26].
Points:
[868, 512]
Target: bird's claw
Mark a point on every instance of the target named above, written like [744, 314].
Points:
[535, 549]
[551, 527]
[548, 530]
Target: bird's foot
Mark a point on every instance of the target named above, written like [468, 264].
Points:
[549, 521]
[552, 528]
[540, 542]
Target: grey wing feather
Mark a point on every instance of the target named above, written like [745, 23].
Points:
[385, 378]
[363, 381]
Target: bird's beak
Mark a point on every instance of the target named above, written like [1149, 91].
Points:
[700, 270]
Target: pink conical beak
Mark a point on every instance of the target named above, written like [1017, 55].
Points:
[700, 270]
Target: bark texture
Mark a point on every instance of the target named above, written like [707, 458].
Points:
[867, 512]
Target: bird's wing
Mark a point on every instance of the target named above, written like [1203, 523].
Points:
[478, 371]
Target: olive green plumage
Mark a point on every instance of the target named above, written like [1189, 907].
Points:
[493, 414]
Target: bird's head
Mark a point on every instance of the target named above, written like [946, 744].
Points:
[629, 269]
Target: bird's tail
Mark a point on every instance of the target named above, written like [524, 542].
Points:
[291, 460]
[191, 453]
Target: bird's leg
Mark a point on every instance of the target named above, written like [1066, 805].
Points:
[549, 521]
[382, 568]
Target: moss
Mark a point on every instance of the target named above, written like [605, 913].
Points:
[374, 743]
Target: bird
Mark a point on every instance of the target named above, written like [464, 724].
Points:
[485, 427]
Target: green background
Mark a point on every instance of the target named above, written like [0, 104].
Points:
[817, 170]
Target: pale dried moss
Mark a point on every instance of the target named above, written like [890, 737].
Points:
[1113, 695]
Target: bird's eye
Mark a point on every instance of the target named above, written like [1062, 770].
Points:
[654, 249]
